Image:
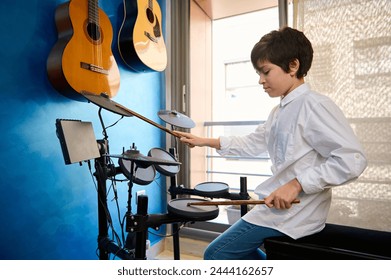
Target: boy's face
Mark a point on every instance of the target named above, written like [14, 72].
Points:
[275, 81]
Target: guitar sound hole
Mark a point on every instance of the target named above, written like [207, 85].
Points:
[156, 29]
[93, 31]
[150, 16]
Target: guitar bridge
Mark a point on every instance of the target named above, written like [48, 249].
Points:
[94, 68]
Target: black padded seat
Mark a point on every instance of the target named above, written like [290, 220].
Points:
[334, 242]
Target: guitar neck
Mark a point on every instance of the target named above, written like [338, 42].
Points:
[93, 11]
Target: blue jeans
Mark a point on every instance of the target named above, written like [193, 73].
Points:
[241, 241]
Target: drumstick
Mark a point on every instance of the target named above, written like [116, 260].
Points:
[231, 202]
[148, 120]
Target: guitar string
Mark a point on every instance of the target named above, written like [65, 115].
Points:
[93, 14]
[99, 42]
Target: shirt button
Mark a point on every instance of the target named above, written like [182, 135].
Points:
[357, 156]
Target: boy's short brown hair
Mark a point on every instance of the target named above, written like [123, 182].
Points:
[281, 47]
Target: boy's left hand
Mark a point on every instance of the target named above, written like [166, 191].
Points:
[283, 197]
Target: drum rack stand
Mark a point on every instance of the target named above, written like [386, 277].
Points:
[136, 224]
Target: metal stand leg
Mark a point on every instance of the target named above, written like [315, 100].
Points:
[174, 226]
[100, 175]
[244, 194]
[141, 236]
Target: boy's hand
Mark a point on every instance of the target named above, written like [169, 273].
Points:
[283, 197]
[189, 139]
[192, 140]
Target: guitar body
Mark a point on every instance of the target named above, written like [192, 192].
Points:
[140, 39]
[82, 60]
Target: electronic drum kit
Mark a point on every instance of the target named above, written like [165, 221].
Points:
[141, 169]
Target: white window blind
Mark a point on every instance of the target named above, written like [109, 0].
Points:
[352, 65]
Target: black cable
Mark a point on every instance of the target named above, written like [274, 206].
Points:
[114, 123]
[110, 225]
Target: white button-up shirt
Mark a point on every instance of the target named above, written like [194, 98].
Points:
[307, 137]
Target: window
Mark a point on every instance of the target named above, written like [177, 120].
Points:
[236, 94]
[237, 102]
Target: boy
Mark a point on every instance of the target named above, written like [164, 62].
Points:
[311, 146]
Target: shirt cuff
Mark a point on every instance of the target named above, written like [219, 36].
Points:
[224, 145]
[308, 184]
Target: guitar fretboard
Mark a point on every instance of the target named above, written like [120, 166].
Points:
[93, 11]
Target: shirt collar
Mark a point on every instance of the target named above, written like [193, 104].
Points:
[294, 94]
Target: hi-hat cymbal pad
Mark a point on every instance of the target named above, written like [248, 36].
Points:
[176, 119]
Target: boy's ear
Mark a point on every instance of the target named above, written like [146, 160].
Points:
[294, 67]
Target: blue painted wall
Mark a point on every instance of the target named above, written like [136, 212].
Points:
[49, 209]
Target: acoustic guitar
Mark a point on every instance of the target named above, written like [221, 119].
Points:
[140, 38]
[82, 59]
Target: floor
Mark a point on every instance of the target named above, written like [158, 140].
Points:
[190, 249]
